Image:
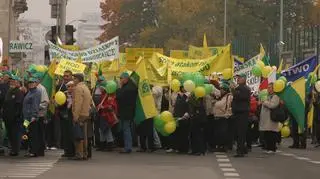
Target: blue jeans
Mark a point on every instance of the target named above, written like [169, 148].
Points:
[126, 127]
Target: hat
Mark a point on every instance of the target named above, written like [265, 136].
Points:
[32, 80]
[7, 73]
[70, 83]
[101, 84]
[224, 86]
[38, 75]
[101, 78]
[242, 75]
[124, 75]
[79, 76]
[15, 77]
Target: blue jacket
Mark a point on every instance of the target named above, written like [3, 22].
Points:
[31, 104]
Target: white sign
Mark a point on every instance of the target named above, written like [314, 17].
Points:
[252, 81]
[20, 46]
[106, 51]
[1, 49]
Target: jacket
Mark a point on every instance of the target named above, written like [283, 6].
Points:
[31, 104]
[222, 108]
[108, 108]
[266, 124]
[12, 108]
[81, 101]
[44, 101]
[157, 93]
[126, 97]
[241, 99]
[181, 105]
[253, 106]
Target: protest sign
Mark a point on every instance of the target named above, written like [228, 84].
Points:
[73, 66]
[106, 51]
[133, 55]
[200, 52]
[180, 54]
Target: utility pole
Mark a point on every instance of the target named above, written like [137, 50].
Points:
[225, 23]
[281, 43]
[63, 17]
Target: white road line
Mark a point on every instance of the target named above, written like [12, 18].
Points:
[228, 169]
[231, 174]
[232, 178]
[22, 176]
[287, 154]
[315, 162]
[225, 165]
[302, 158]
[221, 156]
[35, 165]
[223, 160]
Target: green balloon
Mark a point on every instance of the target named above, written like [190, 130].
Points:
[283, 79]
[198, 79]
[208, 88]
[158, 123]
[256, 70]
[111, 87]
[263, 95]
[186, 76]
[163, 132]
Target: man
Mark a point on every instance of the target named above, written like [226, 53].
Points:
[240, 109]
[81, 101]
[3, 91]
[126, 97]
[12, 113]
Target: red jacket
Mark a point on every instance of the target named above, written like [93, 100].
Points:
[253, 106]
[108, 108]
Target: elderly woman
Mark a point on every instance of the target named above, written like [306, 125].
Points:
[31, 105]
[267, 126]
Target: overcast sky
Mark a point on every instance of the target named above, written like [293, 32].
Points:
[40, 9]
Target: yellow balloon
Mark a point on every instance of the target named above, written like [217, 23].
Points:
[189, 85]
[175, 85]
[200, 92]
[278, 86]
[285, 131]
[227, 73]
[266, 71]
[170, 127]
[166, 116]
[60, 98]
[260, 63]
[274, 68]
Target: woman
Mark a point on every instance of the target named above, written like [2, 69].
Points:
[197, 114]
[31, 104]
[267, 126]
[222, 112]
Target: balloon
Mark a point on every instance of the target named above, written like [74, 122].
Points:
[158, 123]
[170, 127]
[60, 98]
[283, 79]
[40, 68]
[208, 88]
[189, 85]
[198, 79]
[266, 71]
[317, 86]
[263, 95]
[278, 86]
[285, 131]
[227, 73]
[260, 63]
[175, 85]
[313, 78]
[256, 70]
[274, 68]
[163, 132]
[200, 92]
[166, 116]
[111, 87]
[186, 76]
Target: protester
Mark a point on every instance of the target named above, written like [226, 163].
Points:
[81, 103]
[157, 92]
[31, 107]
[240, 109]
[126, 97]
[253, 126]
[267, 126]
[12, 114]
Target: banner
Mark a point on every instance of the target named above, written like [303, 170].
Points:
[74, 67]
[133, 55]
[200, 52]
[180, 54]
[106, 51]
[70, 47]
[301, 69]
[252, 81]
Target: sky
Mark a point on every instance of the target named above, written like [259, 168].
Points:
[41, 10]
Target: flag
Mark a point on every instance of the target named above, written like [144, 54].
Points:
[294, 99]
[310, 116]
[145, 105]
[263, 57]
[205, 46]
[280, 66]
[49, 83]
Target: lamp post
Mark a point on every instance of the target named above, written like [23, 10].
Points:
[225, 23]
[281, 43]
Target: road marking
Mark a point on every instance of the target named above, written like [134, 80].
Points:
[228, 169]
[315, 162]
[221, 156]
[299, 158]
[231, 174]
[287, 154]
[225, 165]
[223, 160]
[302, 158]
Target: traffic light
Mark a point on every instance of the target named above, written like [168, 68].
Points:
[70, 40]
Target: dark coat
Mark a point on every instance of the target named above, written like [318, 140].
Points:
[181, 107]
[31, 104]
[241, 99]
[126, 97]
[12, 108]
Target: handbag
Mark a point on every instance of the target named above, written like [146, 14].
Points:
[278, 114]
[78, 132]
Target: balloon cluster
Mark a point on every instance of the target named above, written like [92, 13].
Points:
[192, 82]
[279, 84]
[261, 70]
[165, 123]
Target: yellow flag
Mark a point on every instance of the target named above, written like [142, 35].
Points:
[280, 66]
[205, 43]
[310, 117]
[262, 52]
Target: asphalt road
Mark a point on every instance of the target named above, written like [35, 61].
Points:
[288, 163]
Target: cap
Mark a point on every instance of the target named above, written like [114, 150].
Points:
[224, 86]
[32, 80]
[124, 75]
[242, 75]
[15, 77]
[79, 76]
[38, 75]
[70, 83]
[101, 78]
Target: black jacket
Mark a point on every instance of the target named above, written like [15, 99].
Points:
[126, 98]
[181, 106]
[241, 99]
[12, 108]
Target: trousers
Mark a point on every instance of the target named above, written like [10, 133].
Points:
[242, 126]
[82, 145]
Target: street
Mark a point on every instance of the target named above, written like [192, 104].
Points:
[288, 163]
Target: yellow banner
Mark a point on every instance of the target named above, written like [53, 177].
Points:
[70, 47]
[73, 66]
[200, 52]
[180, 54]
[133, 55]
